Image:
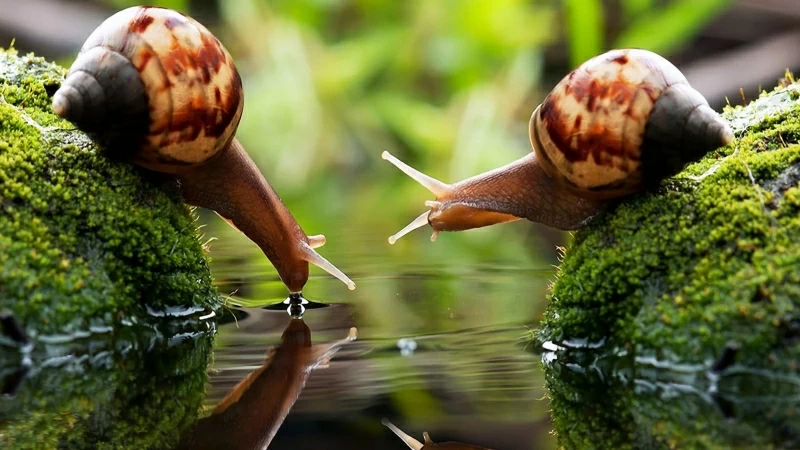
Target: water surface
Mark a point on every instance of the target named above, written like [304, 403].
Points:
[439, 349]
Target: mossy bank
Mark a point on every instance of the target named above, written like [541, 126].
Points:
[671, 279]
[86, 242]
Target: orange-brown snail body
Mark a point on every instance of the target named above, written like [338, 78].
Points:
[618, 124]
[156, 87]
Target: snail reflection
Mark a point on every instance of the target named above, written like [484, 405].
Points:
[154, 86]
[252, 412]
[428, 443]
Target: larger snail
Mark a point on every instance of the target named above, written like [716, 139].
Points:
[618, 124]
[156, 87]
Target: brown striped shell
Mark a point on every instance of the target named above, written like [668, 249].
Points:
[622, 120]
[155, 83]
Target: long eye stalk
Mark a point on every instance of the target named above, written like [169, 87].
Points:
[439, 189]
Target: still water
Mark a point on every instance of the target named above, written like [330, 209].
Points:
[421, 344]
[458, 367]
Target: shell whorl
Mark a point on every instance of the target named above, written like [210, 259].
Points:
[155, 83]
[623, 120]
[104, 96]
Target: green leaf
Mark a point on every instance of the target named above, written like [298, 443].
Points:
[584, 29]
[632, 8]
[666, 29]
[178, 5]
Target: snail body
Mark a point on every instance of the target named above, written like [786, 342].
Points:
[155, 87]
[618, 124]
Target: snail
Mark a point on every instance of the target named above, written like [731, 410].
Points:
[428, 443]
[618, 124]
[155, 87]
[251, 413]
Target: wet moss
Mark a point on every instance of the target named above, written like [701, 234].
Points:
[699, 263]
[84, 240]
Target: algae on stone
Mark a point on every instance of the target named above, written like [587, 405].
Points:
[86, 242]
[674, 277]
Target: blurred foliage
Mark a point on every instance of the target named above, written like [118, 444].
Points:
[662, 27]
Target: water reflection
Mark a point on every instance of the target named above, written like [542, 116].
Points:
[427, 358]
[428, 444]
[252, 412]
[477, 385]
[131, 390]
[605, 398]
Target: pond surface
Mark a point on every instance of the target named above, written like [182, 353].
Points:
[441, 347]
[428, 357]
[435, 341]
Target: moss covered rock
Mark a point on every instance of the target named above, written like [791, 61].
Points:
[85, 242]
[670, 280]
[713, 257]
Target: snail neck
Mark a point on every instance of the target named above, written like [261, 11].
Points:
[521, 189]
[230, 184]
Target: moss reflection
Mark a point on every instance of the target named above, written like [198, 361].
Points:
[620, 400]
[114, 393]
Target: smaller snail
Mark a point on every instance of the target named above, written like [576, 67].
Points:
[428, 444]
[156, 87]
[619, 124]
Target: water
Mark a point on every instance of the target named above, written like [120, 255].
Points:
[426, 357]
[442, 346]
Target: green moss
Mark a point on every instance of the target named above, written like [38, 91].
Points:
[139, 393]
[84, 240]
[713, 257]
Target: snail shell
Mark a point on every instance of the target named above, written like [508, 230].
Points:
[623, 119]
[157, 84]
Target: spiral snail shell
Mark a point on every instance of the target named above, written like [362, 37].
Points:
[155, 87]
[618, 124]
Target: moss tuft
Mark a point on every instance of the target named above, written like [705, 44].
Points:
[84, 241]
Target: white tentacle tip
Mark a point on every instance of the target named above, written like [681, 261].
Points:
[419, 222]
[316, 241]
